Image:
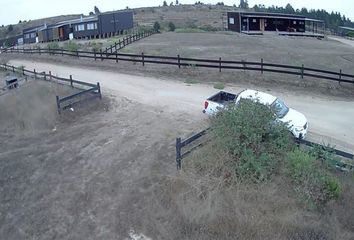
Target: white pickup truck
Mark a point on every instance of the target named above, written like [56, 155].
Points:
[296, 121]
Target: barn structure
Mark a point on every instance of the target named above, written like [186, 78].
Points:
[343, 31]
[284, 24]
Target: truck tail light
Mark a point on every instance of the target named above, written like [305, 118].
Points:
[206, 104]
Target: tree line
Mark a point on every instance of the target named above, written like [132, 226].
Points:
[332, 20]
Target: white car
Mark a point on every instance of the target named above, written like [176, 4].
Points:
[296, 121]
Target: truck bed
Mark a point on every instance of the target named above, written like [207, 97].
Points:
[222, 97]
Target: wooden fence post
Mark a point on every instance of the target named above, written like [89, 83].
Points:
[94, 53]
[62, 51]
[179, 61]
[302, 71]
[101, 55]
[219, 64]
[13, 68]
[143, 58]
[23, 71]
[178, 153]
[39, 50]
[50, 75]
[116, 56]
[71, 81]
[262, 65]
[99, 90]
[58, 104]
[340, 75]
[77, 53]
[35, 74]
[119, 44]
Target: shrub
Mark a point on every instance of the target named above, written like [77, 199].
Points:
[171, 27]
[52, 46]
[209, 28]
[219, 86]
[312, 181]
[350, 34]
[71, 46]
[253, 141]
[157, 27]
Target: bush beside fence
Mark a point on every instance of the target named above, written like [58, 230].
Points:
[180, 62]
[93, 91]
[180, 145]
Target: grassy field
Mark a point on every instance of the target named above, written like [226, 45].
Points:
[322, 54]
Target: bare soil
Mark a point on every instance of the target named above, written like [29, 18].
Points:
[106, 171]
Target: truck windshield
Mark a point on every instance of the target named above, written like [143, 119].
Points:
[280, 108]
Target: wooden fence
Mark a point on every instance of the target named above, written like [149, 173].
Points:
[128, 40]
[93, 91]
[180, 62]
[180, 154]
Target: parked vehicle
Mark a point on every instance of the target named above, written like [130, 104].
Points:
[296, 121]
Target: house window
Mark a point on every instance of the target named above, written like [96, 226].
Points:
[27, 35]
[33, 35]
[245, 20]
[231, 20]
[294, 22]
[91, 26]
[80, 27]
[254, 20]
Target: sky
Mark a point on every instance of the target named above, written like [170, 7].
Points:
[11, 11]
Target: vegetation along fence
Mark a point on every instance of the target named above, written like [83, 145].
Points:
[86, 92]
[195, 141]
[179, 61]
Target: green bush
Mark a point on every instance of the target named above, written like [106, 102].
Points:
[189, 30]
[350, 34]
[71, 46]
[157, 27]
[311, 180]
[171, 27]
[325, 155]
[252, 140]
[219, 86]
[52, 46]
[209, 28]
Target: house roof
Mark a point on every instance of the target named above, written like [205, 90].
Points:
[277, 16]
[347, 28]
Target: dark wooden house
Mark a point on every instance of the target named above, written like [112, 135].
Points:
[30, 34]
[255, 21]
[85, 27]
[115, 22]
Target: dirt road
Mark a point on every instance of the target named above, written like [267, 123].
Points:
[330, 120]
[343, 40]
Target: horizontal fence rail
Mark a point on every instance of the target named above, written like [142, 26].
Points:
[180, 62]
[94, 90]
[180, 145]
